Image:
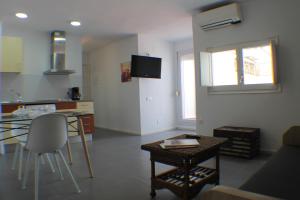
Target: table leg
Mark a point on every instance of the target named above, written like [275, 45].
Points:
[69, 152]
[86, 152]
[218, 168]
[2, 149]
[153, 193]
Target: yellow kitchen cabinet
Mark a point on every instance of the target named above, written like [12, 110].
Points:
[12, 54]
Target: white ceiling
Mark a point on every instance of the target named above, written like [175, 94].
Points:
[106, 20]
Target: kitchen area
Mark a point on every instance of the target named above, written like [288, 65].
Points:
[41, 77]
[41, 69]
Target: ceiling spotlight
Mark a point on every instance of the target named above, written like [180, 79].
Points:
[21, 15]
[75, 23]
[59, 39]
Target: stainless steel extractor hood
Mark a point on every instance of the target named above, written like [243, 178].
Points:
[58, 54]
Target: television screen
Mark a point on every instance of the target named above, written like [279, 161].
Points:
[145, 66]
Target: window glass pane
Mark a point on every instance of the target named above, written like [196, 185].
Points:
[224, 68]
[258, 65]
[188, 86]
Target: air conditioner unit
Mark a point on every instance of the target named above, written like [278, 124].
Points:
[220, 17]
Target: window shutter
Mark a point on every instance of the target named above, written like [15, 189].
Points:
[275, 72]
[205, 69]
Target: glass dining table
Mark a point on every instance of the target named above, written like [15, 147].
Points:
[10, 123]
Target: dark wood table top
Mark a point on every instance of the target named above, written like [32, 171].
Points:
[206, 144]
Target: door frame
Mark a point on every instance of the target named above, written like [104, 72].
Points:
[188, 124]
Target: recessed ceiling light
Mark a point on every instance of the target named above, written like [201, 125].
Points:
[75, 23]
[59, 39]
[21, 15]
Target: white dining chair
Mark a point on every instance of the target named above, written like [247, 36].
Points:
[47, 135]
[21, 139]
[19, 150]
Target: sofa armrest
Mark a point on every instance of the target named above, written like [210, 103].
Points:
[292, 136]
[228, 193]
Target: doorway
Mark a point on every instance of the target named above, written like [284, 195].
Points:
[186, 93]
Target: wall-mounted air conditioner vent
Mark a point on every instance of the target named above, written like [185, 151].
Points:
[220, 17]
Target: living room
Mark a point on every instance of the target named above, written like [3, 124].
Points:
[126, 114]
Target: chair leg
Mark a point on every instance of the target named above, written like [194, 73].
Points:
[36, 176]
[50, 163]
[69, 152]
[43, 159]
[69, 171]
[20, 163]
[16, 154]
[58, 166]
[26, 172]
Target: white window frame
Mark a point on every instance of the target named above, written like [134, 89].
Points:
[207, 77]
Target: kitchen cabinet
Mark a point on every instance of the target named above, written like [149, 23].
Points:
[88, 124]
[87, 120]
[12, 54]
[85, 106]
[65, 105]
[9, 108]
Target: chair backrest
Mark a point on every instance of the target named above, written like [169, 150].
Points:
[292, 136]
[47, 133]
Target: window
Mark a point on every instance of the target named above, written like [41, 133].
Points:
[224, 62]
[240, 68]
[188, 90]
[258, 65]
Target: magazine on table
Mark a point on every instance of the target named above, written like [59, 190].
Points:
[179, 143]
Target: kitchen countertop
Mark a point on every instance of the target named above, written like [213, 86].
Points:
[42, 102]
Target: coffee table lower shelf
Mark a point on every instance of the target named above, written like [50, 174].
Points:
[175, 180]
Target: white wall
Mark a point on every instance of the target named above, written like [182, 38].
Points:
[184, 45]
[273, 113]
[31, 83]
[141, 106]
[117, 104]
[0, 62]
[2, 150]
[86, 77]
[157, 96]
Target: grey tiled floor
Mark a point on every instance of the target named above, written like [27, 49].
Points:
[122, 171]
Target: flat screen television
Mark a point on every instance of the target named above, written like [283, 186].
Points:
[145, 66]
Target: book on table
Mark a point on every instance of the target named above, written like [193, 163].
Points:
[179, 143]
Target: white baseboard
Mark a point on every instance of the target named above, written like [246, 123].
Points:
[137, 133]
[159, 131]
[118, 130]
[188, 128]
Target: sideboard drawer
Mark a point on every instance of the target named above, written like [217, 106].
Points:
[9, 108]
[88, 123]
[65, 105]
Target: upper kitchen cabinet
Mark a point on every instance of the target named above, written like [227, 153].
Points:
[12, 54]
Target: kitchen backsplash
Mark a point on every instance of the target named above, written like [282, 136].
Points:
[36, 87]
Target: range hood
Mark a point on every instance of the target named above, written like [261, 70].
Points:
[58, 54]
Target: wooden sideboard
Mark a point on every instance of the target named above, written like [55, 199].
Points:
[88, 124]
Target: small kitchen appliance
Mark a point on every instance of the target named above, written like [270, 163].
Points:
[74, 93]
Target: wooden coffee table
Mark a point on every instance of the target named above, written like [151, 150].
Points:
[187, 178]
